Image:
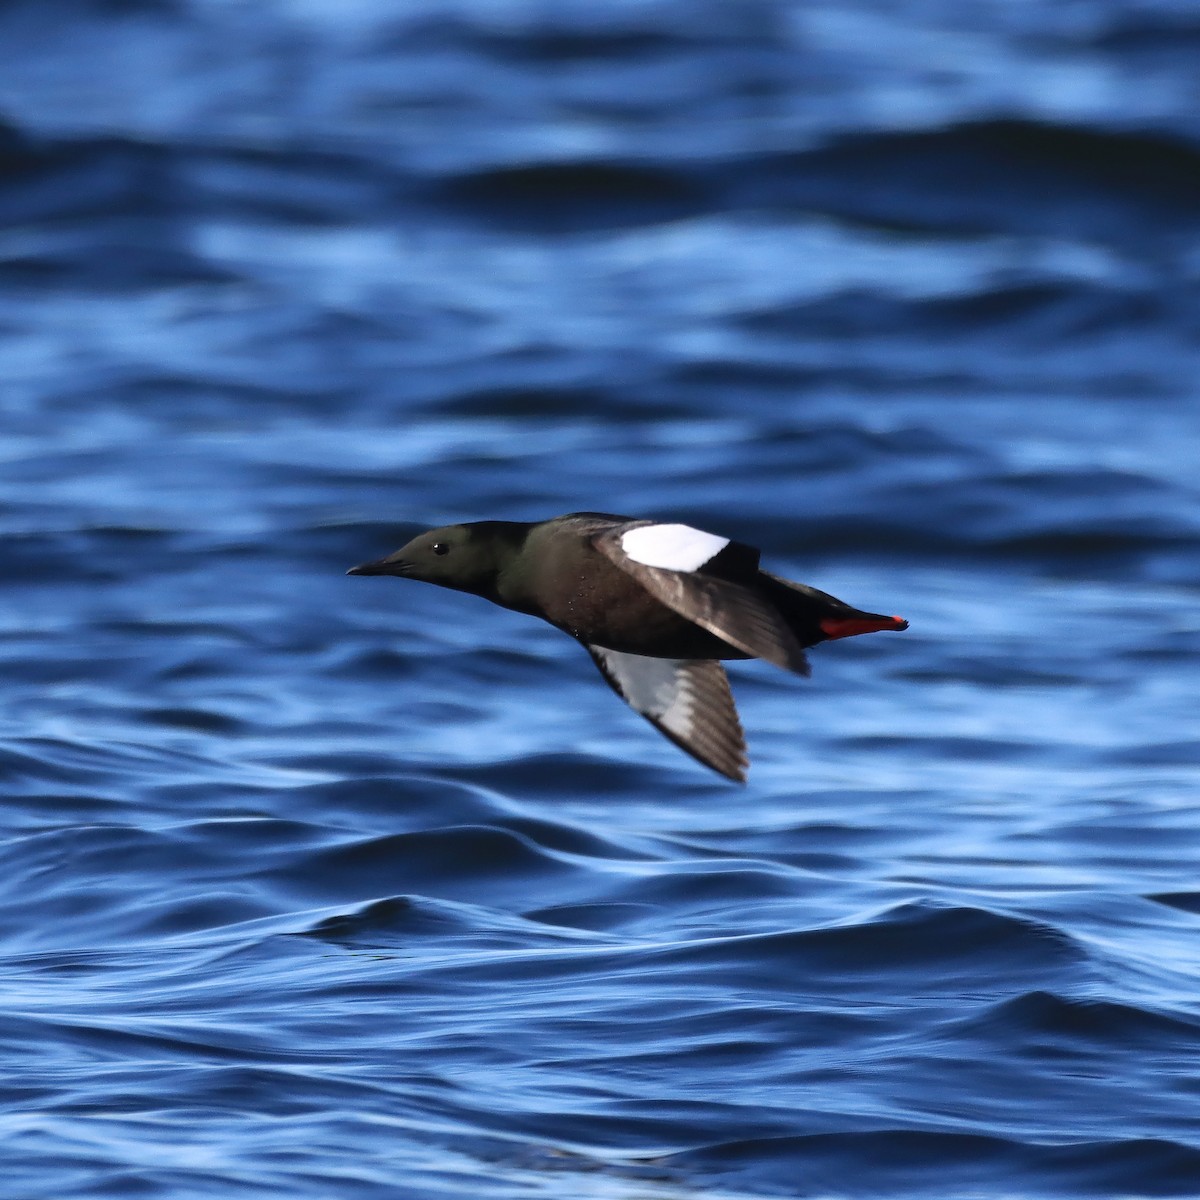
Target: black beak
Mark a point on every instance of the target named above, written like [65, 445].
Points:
[382, 566]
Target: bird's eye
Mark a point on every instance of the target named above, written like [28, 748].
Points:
[440, 548]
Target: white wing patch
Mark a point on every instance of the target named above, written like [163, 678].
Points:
[653, 687]
[671, 547]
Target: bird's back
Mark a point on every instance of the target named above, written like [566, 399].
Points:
[568, 582]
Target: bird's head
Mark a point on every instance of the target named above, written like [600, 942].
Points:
[461, 557]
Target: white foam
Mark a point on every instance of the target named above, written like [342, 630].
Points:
[672, 547]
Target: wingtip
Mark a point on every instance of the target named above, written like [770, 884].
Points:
[736, 767]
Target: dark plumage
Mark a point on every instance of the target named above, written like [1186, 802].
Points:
[656, 604]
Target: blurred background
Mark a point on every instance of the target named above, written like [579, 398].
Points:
[336, 887]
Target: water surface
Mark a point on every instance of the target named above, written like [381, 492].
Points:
[329, 887]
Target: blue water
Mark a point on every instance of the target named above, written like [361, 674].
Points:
[339, 888]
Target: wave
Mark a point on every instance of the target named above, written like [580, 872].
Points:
[916, 1161]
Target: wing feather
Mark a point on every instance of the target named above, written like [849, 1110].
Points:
[730, 610]
[686, 700]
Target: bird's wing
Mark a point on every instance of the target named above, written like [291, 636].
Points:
[685, 699]
[688, 570]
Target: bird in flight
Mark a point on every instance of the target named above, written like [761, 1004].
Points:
[657, 605]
